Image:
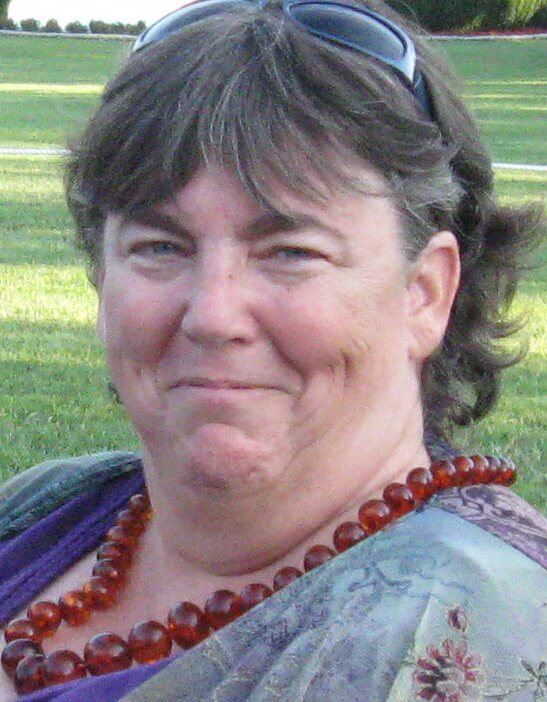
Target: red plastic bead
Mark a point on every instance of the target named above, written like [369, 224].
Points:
[494, 464]
[140, 504]
[316, 556]
[63, 666]
[21, 629]
[29, 674]
[285, 577]
[149, 641]
[130, 522]
[15, 651]
[481, 470]
[347, 535]
[116, 552]
[444, 474]
[107, 653]
[187, 624]
[507, 473]
[399, 499]
[374, 515]
[46, 617]
[222, 607]
[420, 483]
[464, 467]
[254, 594]
[110, 570]
[118, 535]
[75, 608]
[101, 593]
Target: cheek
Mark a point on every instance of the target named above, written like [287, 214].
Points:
[313, 331]
[137, 320]
[344, 331]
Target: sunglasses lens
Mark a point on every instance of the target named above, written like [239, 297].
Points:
[182, 18]
[356, 29]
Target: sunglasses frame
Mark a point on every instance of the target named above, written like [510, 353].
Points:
[335, 22]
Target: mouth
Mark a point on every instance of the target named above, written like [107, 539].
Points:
[220, 384]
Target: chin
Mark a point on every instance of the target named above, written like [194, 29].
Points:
[224, 457]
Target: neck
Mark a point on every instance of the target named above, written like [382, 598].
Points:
[231, 533]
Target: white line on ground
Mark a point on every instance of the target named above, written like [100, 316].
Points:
[7, 151]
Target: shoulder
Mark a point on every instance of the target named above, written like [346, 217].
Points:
[502, 513]
[34, 493]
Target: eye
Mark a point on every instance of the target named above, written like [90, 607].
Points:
[156, 248]
[296, 253]
[163, 248]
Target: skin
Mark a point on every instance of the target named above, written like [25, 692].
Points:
[271, 367]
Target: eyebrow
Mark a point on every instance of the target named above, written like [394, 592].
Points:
[271, 222]
[156, 220]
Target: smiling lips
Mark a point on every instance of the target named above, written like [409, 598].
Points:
[221, 384]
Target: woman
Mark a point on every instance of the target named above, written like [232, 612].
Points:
[300, 266]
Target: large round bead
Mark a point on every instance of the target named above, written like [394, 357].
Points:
[187, 624]
[444, 474]
[420, 483]
[29, 674]
[464, 467]
[347, 535]
[480, 471]
[131, 522]
[285, 576]
[399, 499]
[507, 473]
[107, 653]
[46, 617]
[494, 465]
[15, 651]
[140, 504]
[149, 641]
[63, 666]
[110, 570]
[374, 515]
[116, 552]
[316, 556]
[118, 535]
[102, 593]
[253, 594]
[21, 629]
[75, 607]
[222, 607]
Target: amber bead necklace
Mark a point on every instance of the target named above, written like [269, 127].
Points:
[23, 658]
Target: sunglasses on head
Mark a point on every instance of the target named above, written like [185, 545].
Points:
[349, 26]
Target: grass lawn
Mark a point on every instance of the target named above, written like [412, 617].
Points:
[53, 398]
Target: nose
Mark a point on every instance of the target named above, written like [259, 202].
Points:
[217, 309]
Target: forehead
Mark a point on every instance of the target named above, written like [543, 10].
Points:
[233, 195]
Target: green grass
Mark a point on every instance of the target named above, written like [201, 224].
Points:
[53, 397]
[506, 86]
[49, 85]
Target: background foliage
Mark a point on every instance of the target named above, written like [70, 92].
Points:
[440, 15]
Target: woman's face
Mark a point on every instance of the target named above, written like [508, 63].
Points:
[252, 348]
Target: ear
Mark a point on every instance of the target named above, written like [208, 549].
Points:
[432, 285]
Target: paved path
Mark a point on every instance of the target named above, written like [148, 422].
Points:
[6, 151]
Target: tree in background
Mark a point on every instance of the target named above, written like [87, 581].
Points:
[469, 15]
[4, 4]
[52, 26]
